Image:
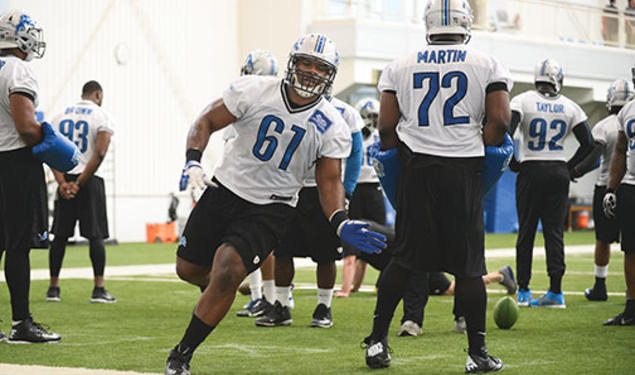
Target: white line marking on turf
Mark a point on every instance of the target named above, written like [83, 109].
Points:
[41, 370]
[258, 350]
[129, 339]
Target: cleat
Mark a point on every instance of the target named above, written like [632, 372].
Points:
[101, 295]
[2, 336]
[178, 363]
[275, 316]
[30, 332]
[460, 326]
[620, 320]
[524, 295]
[377, 353]
[409, 328]
[596, 294]
[550, 299]
[478, 364]
[322, 317]
[509, 281]
[254, 308]
[53, 294]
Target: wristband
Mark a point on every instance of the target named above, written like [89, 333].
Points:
[337, 218]
[193, 154]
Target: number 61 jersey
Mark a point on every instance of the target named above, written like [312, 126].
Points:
[80, 123]
[441, 93]
[276, 142]
[544, 124]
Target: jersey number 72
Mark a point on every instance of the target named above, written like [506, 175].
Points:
[433, 90]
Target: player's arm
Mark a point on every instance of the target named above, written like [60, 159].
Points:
[590, 162]
[514, 165]
[617, 170]
[102, 142]
[215, 117]
[388, 118]
[66, 191]
[497, 113]
[23, 113]
[583, 135]
[353, 164]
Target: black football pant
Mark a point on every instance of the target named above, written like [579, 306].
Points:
[542, 193]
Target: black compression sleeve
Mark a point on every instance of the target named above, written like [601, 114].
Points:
[514, 123]
[590, 161]
[583, 135]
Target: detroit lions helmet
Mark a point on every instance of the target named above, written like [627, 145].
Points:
[549, 71]
[260, 62]
[321, 50]
[620, 92]
[368, 109]
[18, 30]
[443, 17]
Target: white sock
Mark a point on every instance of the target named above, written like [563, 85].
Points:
[268, 289]
[325, 296]
[282, 295]
[255, 284]
[601, 271]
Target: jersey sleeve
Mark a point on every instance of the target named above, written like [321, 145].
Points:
[240, 95]
[105, 123]
[516, 105]
[22, 80]
[386, 81]
[499, 73]
[229, 133]
[577, 114]
[354, 120]
[599, 133]
[337, 141]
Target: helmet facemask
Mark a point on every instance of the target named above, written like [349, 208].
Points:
[308, 83]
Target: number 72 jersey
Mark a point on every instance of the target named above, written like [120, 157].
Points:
[544, 124]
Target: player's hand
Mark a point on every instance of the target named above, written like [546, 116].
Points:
[609, 203]
[66, 191]
[193, 176]
[574, 174]
[354, 232]
[514, 165]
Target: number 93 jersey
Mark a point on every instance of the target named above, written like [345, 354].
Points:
[276, 143]
[441, 94]
[626, 118]
[544, 124]
[80, 123]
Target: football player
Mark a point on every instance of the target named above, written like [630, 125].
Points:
[619, 201]
[283, 128]
[545, 118]
[81, 193]
[433, 103]
[23, 209]
[606, 230]
[311, 235]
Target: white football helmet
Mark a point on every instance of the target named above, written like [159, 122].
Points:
[18, 30]
[320, 49]
[368, 109]
[620, 92]
[260, 62]
[549, 71]
[444, 17]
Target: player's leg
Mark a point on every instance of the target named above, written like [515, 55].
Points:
[268, 278]
[279, 314]
[553, 213]
[97, 251]
[64, 218]
[56, 257]
[322, 315]
[359, 275]
[527, 208]
[606, 231]
[504, 276]
[415, 299]
[349, 266]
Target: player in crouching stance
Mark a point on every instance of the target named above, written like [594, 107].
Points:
[283, 127]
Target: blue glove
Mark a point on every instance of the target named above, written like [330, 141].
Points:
[387, 166]
[496, 161]
[56, 150]
[355, 234]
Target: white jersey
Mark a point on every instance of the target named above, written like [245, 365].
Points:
[605, 132]
[441, 93]
[544, 124]
[367, 174]
[355, 124]
[276, 144]
[229, 133]
[626, 119]
[80, 123]
[15, 77]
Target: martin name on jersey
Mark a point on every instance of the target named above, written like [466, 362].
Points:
[276, 143]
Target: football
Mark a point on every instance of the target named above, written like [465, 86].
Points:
[506, 312]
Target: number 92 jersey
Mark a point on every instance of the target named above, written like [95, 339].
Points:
[544, 124]
[626, 118]
[441, 93]
[276, 143]
[80, 123]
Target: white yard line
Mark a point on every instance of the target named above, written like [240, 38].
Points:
[6, 369]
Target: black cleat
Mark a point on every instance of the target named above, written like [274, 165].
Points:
[377, 353]
[596, 293]
[620, 320]
[178, 363]
[101, 295]
[482, 363]
[255, 308]
[30, 332]
[509, 281]
[322, 317]
[275, 316]
[53, 294]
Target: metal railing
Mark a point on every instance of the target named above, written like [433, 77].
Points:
[540, 19]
